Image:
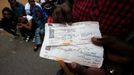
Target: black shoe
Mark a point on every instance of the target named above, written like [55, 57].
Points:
[36, 47]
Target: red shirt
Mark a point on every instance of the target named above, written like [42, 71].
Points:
[115, 16]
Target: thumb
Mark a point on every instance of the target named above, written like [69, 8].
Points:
[105, 40]
[65, 68]
[97, 41]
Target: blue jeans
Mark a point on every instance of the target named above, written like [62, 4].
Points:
[39, 36]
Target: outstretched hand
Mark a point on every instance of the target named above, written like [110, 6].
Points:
[65, 68]
[116, 50]
[76, 69]
[112, 43]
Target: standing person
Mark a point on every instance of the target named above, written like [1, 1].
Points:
[40, 18]
[8, 21]
[116, 23]
[29, 6]
[17, 8]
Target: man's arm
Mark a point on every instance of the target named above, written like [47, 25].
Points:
[116, 50]
[62, 13]
[80, 70]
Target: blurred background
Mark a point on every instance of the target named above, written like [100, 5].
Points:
[17, 56]
[4, 3]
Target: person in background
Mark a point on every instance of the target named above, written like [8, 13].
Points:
[116, 23]
[17, 8]
[29, 6]
[25, 27]
[9, 21]
[42, 1]
[40, 18]
[48, 7]
[60, 1]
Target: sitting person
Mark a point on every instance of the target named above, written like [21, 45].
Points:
[40, 18]
[29, 6]
[17, 8]
[42, 1]
[25, 27]
[9, 22]
[48, 7]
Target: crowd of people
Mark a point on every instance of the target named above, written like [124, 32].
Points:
[116, 25]
[28, 20]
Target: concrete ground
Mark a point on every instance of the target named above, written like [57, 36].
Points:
[18, 58]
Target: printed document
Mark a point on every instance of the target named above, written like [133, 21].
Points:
[72, 43]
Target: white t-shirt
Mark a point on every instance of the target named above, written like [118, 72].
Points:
[42, 1]
[28, 17]
[27, 8]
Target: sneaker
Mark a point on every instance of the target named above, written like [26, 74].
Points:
[27, 38]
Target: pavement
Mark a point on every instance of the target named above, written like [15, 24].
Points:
[18, 58]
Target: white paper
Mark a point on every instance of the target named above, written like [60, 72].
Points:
[73, 43]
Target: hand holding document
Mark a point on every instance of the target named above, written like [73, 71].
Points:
[73, 43]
